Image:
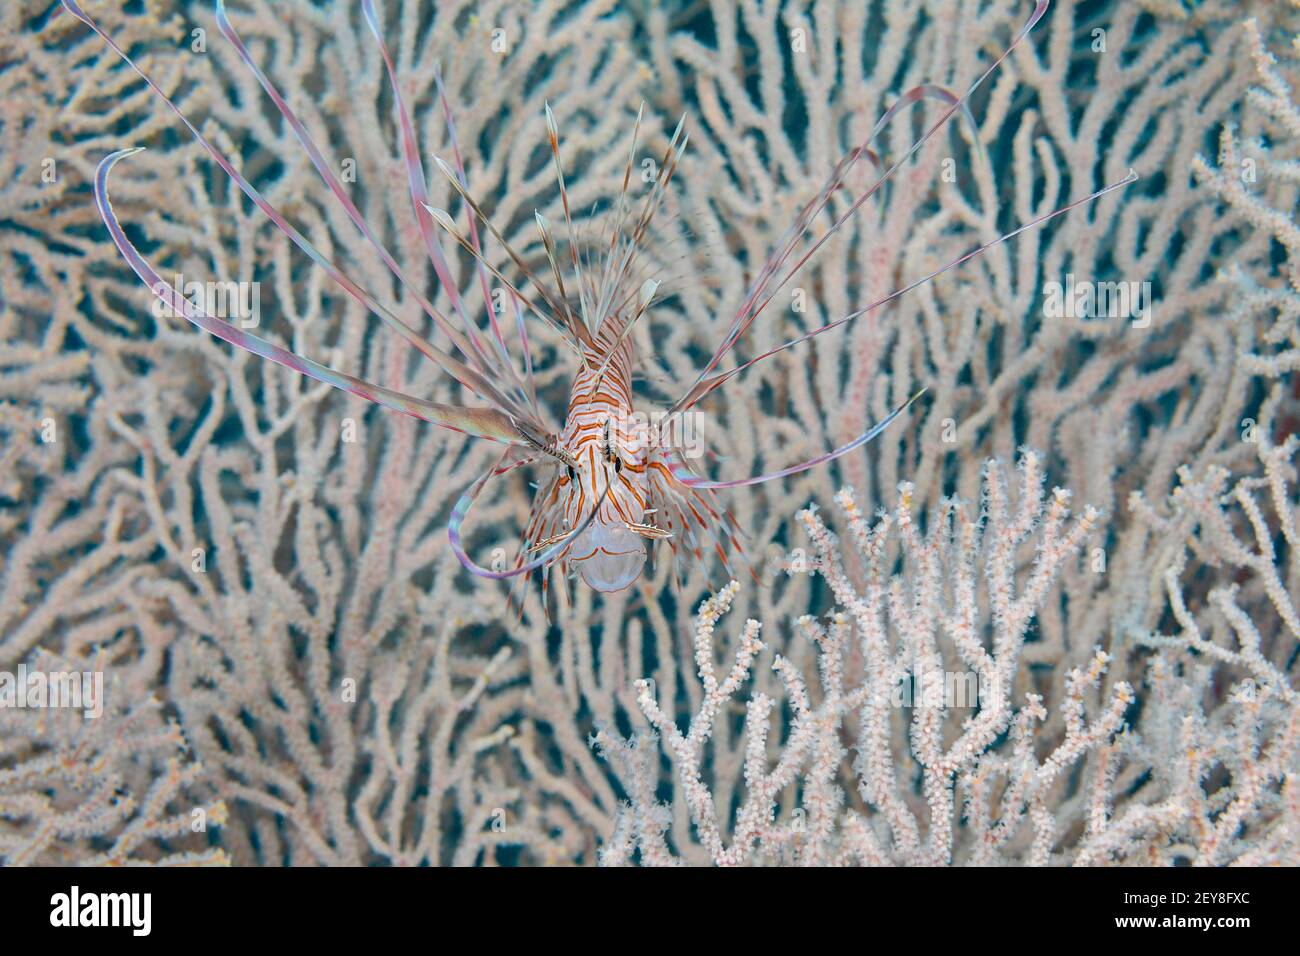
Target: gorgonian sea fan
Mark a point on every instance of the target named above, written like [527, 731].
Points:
[615, 485]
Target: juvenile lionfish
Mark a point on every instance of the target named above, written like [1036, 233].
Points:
[612, 489]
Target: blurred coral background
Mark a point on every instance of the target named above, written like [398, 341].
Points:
[299, 672]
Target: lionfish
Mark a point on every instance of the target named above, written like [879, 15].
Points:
[612, 490]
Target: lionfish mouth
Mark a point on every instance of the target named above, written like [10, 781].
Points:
[609, 557]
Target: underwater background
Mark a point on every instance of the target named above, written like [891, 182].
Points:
[929, 652]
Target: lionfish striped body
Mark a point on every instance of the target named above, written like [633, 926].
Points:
[618, 461]
[610, 464]
[614, 487]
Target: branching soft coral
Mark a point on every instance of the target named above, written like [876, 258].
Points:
[941, 779]
[892, 660]
[114, 789]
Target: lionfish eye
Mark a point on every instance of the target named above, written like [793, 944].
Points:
[618, 464]
[573, 475]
